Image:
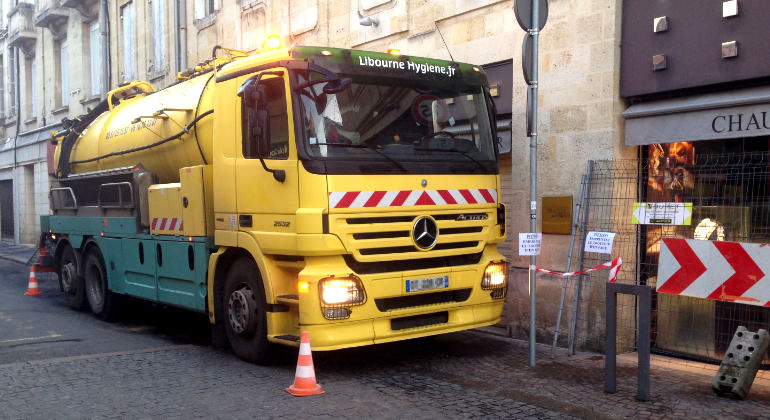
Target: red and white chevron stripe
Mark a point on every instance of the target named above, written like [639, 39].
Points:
[168, 223]
[717, 270]
[403, 198]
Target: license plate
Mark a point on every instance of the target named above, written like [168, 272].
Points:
[429, 283]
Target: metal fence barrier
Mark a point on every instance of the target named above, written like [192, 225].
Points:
[730, 194]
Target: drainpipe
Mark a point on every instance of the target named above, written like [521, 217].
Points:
[180, 31]
[176, 36]
[105, 33]
[17, 226]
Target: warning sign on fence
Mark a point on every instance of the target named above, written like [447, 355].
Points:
[662, 214]
[600, 242]
[529, 243]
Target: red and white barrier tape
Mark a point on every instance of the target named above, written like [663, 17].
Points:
[613, 265]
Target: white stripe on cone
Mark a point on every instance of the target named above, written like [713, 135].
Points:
[305, 372]
[304, 349]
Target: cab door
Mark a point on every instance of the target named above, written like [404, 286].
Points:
[267, 189]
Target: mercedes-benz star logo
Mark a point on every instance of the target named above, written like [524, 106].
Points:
[425, 232]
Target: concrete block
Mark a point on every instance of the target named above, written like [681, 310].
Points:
[741, 362]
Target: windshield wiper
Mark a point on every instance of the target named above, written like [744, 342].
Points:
[362, 146]
[462, 152]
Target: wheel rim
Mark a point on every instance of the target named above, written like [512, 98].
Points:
[68, 273]
[95, 287]
[241, 310]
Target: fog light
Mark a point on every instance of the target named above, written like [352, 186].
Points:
[337, 313]
[496, 279]
[340, 291]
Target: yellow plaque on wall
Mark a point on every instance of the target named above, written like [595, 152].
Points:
[557, 214]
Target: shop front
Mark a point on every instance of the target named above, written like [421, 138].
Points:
[713, 151]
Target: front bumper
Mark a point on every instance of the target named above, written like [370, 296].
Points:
[374, 322]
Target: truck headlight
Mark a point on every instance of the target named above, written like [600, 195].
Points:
[496, 279]
[338, 294]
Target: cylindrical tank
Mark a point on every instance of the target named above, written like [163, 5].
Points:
[144, 120]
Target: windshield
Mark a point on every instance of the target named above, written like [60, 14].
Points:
[394, 125]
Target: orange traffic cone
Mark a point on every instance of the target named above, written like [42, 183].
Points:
[304, 379]
[32, 289]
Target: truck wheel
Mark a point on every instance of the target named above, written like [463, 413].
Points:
[104, 303]
[244, 312]
[70, 280]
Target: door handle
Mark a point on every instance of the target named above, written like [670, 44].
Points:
[244, 220]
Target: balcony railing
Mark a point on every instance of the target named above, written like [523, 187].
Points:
[21, 31]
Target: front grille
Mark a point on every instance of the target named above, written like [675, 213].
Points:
[381, 235]
[414, 264]
[401, 302]
[387, 219]
[371, 237]
[419, 321]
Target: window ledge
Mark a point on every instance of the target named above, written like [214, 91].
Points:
[11, 121]
[206, 22]
[31, 120]
[60, 109]
[90, 100]
[157, 75]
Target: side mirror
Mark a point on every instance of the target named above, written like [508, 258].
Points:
[336, 86]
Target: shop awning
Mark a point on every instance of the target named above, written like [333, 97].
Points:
[711, 116]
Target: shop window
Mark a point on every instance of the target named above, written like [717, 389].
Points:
[728, 184]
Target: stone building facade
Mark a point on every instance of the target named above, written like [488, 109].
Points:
[579, 103]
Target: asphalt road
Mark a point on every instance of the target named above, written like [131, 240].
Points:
[158, 362]
[35, 328]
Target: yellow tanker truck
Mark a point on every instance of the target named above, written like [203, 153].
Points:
[351, 194]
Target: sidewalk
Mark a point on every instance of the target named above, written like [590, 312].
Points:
[16, 253]
[575, 385]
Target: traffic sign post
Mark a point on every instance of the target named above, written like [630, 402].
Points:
[527, 13]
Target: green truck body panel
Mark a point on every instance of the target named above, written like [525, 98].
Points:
[160, 268]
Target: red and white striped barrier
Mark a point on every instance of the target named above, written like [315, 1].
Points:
[613, 265]
[168, 223]
[403, 198]
[716, 270]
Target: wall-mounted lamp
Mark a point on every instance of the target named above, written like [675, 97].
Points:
[369, 21]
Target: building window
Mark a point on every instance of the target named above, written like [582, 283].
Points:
[30, 97]
[96, 59]
[127, 18]
[159, 36]
[2, 85]
[62, 65]
[12, 83]
[204, 8]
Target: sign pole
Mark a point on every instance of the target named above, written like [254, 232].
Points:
[534, 32]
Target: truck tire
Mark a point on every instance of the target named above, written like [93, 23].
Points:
[70, 281]
[244, 309]
[104, 303]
